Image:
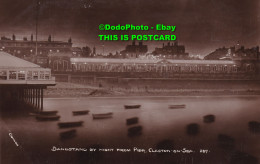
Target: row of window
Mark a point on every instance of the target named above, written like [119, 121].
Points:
[21, 75]
[33, 51]
[154, 68]
[29, 44]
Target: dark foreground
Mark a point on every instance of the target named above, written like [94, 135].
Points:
[159, 135]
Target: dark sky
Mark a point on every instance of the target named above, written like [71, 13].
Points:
[201, 25]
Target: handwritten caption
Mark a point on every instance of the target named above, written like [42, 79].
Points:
[134, 149]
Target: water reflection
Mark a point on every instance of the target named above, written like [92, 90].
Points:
[157, 123]
[209, 118]
[192, 129]
[254, 126]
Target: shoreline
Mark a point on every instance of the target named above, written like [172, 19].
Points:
[132, 96]
[107, 93]
[71, 90]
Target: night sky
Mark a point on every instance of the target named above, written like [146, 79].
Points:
[201, 25]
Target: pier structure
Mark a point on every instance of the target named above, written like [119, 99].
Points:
[22, 82]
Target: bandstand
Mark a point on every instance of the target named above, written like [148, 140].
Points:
[22, 82]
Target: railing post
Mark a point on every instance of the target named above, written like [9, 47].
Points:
[41, 99]
[38, 97]
[31, 97]
[33, 90]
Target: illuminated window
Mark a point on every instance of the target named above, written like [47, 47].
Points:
[3, 75]
[21, 75]
[35, 75]
[41, 74]
[47, 75]
[12, 74]
[29, 75]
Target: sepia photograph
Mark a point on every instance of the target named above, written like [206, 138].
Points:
[129, 82]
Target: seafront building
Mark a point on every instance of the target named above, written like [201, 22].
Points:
[235, 68]
[164, 68]
[26, 48]
[170, 61]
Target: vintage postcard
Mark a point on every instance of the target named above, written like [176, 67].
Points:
[130, 81]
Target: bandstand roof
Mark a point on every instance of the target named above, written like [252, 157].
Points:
[10, 61]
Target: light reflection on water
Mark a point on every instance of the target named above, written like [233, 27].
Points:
[158, 122]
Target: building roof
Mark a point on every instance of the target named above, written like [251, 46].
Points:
[76, 49]
[10, 61]
[34, 41]
[147, 61]
[60, 54]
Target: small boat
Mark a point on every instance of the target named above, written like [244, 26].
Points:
[134, 106]
[47, 118]
[226, 142]
[134, 131]
[51, 112]
[131, 121]
[80, 112]
[70, 124]
[177, 106]
[209, 118]
[254, 126]
[193, 129]
[102, 115]
[68, 134]
[33, 114]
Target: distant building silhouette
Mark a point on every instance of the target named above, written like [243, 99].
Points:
[221, 54]
[234, 53]
[133, 51]
[246, 54]
[76, 51]
[171, 51]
